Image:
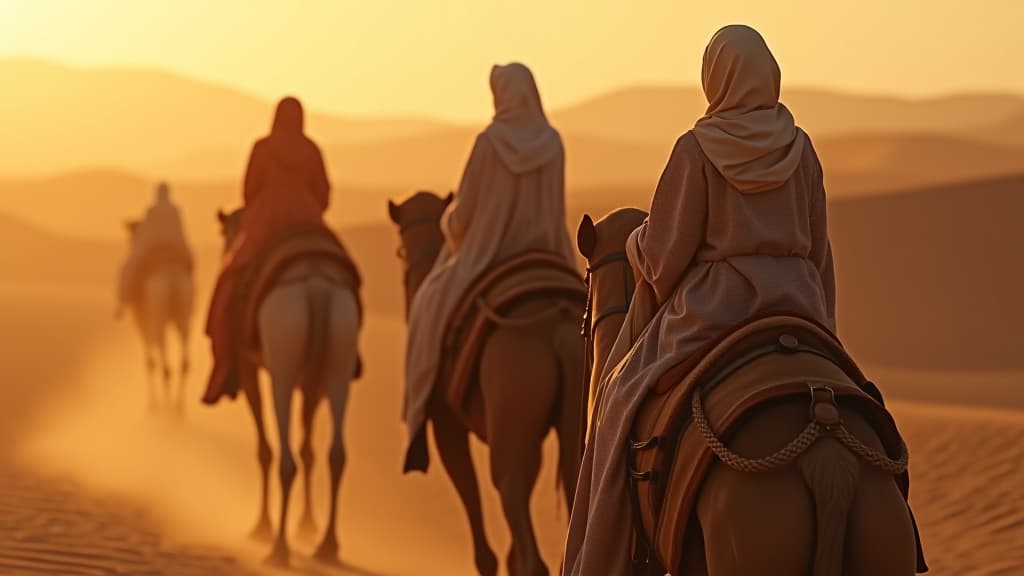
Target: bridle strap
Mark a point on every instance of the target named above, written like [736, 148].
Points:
[590, 320]
[619, 256]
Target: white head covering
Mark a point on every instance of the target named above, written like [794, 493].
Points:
[748, 135]
[520, 131]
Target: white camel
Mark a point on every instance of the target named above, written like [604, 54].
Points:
[308, 325]
[164, 299]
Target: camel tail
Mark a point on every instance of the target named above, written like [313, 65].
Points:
[316, 359]
[832, 473]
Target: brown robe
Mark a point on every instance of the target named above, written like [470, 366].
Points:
[714, 257]
[511, 200]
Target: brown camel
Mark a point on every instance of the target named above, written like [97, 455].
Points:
[308, 324]
[531, 380]
[826, 514]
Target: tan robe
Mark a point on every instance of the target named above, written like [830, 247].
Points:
[497, 214]
[161, 228]
[714, 258]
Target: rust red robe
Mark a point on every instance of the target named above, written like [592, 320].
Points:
[286, 187]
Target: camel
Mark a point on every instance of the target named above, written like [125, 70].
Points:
[530, 380]
[164, 299]
[308, 325]
[828, 513]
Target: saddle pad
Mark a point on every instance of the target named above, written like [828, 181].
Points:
[262, 274]
[768, 359]
[527, 276]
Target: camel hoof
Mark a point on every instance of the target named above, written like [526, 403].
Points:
[263, 531]
[278, 557]
[487, 563]
[327, 553]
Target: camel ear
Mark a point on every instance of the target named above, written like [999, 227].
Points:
[449, 199]
[394, 212]
[586, 237]
[221, 216]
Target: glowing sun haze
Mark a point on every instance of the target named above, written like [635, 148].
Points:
[431, 57]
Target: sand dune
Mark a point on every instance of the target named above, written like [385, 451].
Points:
[95, 204]
[928, 278]
[877, 163]
[967, 487]
[164, 125]
[656, 115]
[50, 526]
[73, 118]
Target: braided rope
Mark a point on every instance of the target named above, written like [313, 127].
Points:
[795, 448]
[520, 322]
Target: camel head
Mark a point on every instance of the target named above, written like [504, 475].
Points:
[230, 226]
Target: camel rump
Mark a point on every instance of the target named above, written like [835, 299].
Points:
[159, 257]
[766, 360]
[262, 275]
[527, 276]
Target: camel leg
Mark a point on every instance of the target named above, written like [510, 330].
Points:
[339, 367]
[183, 367]
[572, 421]
[307, 526]
[165, 372]
[452, 440]
[283, 324]
[263, 530]
[151, 382]
[519, 381]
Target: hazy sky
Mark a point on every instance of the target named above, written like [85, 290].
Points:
[432, 56]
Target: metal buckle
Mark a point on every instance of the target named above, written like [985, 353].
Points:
[824, 408]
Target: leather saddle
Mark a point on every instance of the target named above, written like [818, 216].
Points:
[266, 270]
[506, 285]
[766, 360]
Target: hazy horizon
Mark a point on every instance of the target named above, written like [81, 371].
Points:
[362, 59]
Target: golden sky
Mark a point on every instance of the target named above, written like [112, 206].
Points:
[431, 57]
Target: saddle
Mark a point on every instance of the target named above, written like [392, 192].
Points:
[527, 276]
[264, 272]
[766, 360]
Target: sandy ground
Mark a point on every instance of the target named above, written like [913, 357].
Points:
[94, 483]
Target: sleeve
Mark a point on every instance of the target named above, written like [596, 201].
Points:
[321, 185]
[821, 246]
[254, 174]
[663, 247]
[456, 220]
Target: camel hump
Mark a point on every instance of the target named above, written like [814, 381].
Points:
[534, 275]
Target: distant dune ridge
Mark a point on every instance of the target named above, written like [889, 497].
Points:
[159, 124]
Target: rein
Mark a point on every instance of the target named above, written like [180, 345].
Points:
[591, 320]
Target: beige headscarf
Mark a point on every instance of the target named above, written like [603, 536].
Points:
[520, 131]
[748, 135]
